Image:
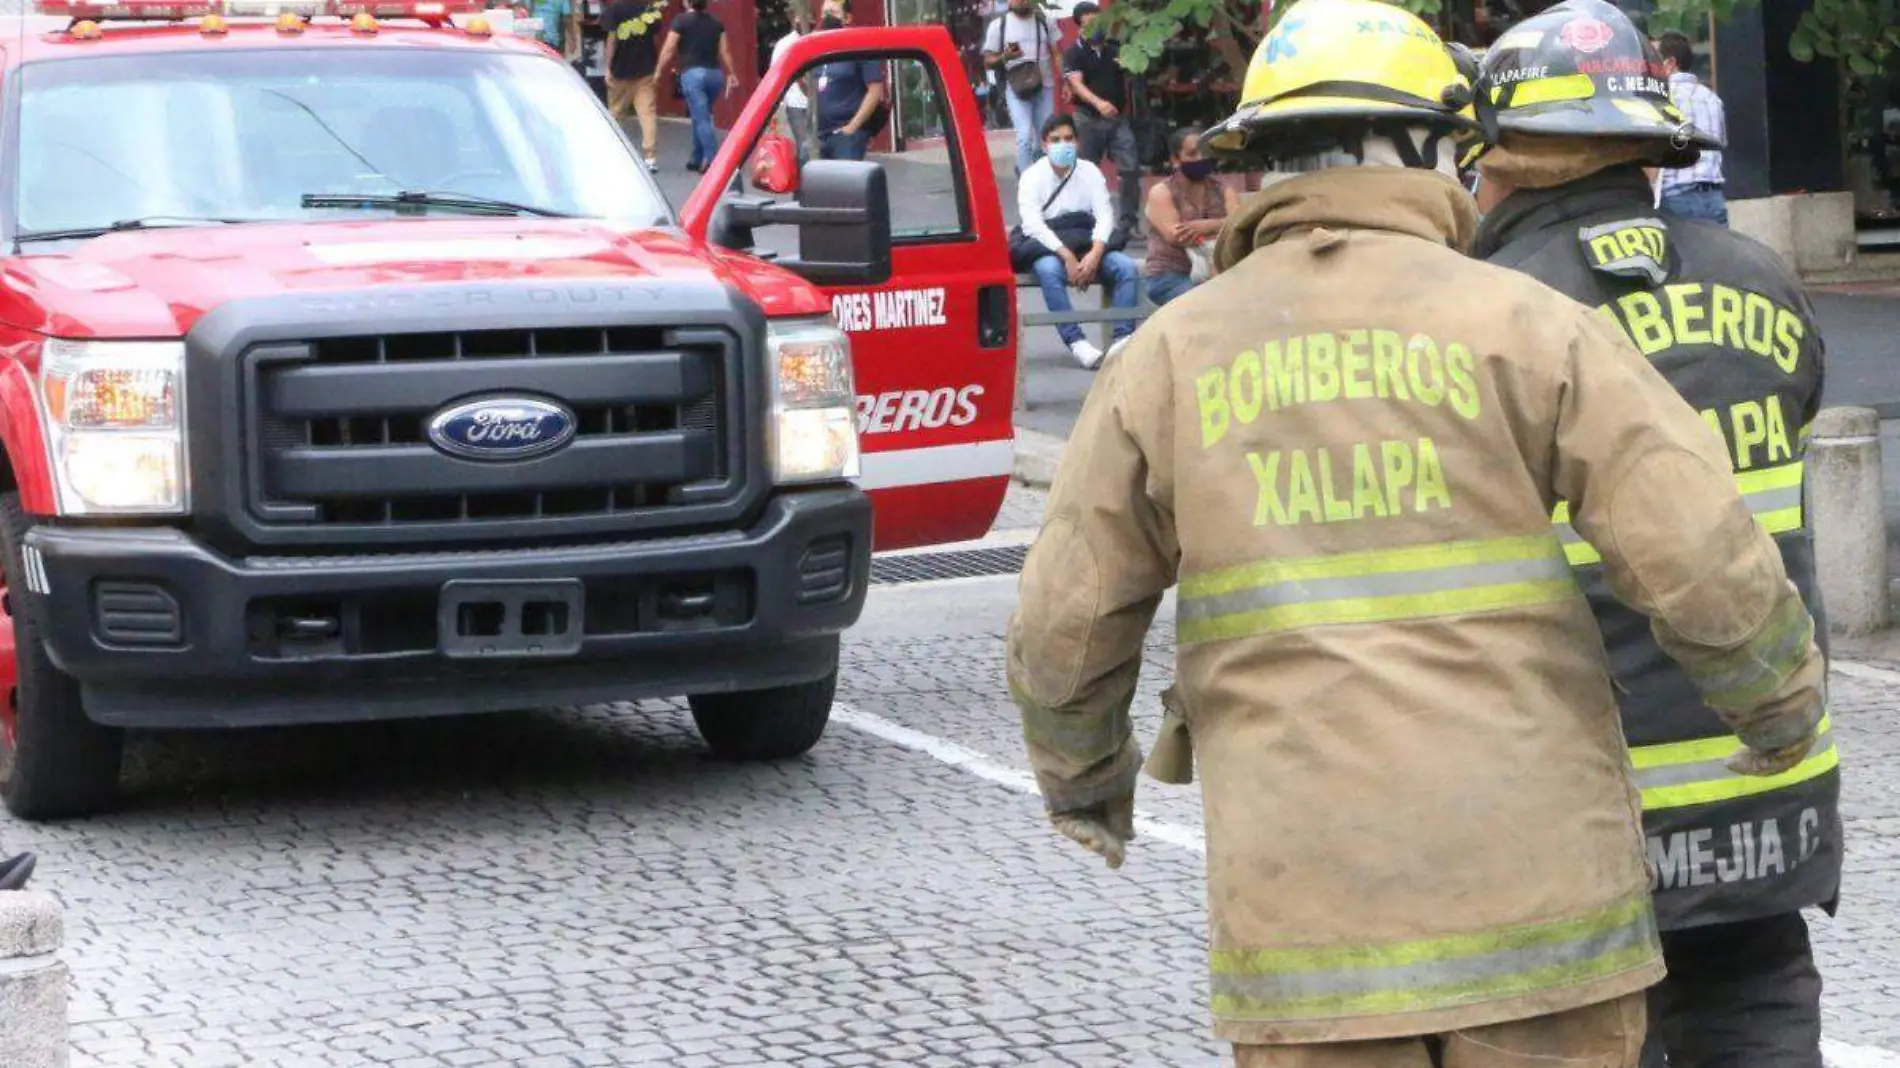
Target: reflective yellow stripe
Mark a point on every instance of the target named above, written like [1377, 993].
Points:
[1429, 974]
[1414, 582]
[1678, 774]
[1547, 90]
[1773, 495]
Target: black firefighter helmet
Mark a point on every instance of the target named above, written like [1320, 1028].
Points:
[1583, 69]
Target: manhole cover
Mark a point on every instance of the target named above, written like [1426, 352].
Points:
[965, 563]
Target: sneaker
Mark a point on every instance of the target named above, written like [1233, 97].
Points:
[653, 165]
[1086, 354]
[16, 871]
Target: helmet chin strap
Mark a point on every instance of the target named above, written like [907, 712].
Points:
[1415, 147]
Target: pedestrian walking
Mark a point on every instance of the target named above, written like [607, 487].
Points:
[1066, 235]
[1099, 86]
[697, 41]
[633, 63]
[1737, 859]
[1422, 845]
[1185, 215]
[560, 26]
[850, 95]
[1697, 191]
[797, 104]
[1022, 44]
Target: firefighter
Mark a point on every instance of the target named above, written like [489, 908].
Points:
[1736, 860]
[1422, 840]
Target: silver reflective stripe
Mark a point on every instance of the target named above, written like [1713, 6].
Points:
[1393, 584]
[1773, 500]
[1709, 770]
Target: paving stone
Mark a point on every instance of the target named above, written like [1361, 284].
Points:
[585, 887]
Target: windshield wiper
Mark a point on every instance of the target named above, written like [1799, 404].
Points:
[425, 198]
[148, 222]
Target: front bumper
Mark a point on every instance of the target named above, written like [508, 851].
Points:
[162, 631]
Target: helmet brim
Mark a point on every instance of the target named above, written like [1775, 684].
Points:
[1249, 131]
[1681, 144]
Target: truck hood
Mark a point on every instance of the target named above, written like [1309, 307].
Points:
[157, 283]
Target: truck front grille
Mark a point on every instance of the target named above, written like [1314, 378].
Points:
[338, 428]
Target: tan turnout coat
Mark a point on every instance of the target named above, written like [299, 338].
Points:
[1345, 450]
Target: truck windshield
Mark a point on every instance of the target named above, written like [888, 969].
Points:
[293, 134]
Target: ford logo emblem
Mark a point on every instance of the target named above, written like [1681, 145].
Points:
[502, 428]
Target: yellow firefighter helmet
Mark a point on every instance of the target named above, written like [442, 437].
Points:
[1330, 64]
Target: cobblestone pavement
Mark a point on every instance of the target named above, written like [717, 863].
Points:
[585, 887]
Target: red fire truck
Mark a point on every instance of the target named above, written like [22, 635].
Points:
[354, 367]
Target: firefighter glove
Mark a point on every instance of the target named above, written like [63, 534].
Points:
[1749, 761]
[1104, 829]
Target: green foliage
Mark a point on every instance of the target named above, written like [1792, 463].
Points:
[1860, 34]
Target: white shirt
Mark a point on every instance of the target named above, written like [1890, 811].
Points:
[1704, 108]
[1087, 191]
[794, 96]
[1022, 30]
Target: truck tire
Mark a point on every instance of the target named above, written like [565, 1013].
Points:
[775, 724]
[54, 762]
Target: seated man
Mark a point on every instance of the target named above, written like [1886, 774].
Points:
[1064, 206]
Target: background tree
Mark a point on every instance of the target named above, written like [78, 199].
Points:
[1860, 34]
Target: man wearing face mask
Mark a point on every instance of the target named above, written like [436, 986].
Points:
[1064, 238]
[1093, 70]
[850, 92]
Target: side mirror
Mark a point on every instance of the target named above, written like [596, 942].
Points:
[843, 217]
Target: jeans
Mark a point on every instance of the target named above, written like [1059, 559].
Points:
[1163, 288]
[840, 145]
[702, 86]
[799, 121]
[1117, 271]
[1738, 995]
[1115, 139]
[1710, 204]
[1026, 118]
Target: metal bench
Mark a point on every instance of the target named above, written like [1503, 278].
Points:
[1106, 314]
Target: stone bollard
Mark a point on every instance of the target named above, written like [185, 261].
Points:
[33, 981]
[1846, 511]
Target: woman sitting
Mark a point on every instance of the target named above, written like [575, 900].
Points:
[1185, 212]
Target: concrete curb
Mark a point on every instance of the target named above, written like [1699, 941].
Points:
[1846, 509]
[1037, 457]
[33, 982]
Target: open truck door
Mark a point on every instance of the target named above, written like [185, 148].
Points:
[934, 343]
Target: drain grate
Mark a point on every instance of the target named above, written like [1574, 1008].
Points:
[966, 563]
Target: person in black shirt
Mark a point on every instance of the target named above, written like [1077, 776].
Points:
[1094, 73]
[698, 42]
[850, 92]
[632, 62]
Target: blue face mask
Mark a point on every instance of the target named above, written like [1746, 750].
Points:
[1062, 154]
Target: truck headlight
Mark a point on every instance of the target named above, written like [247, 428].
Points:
[814, 403]
[115, 425]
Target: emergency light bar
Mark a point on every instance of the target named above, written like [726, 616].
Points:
[158, 10]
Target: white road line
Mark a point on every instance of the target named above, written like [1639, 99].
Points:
[1836, 1054]
[1865, 672]
[984, 768]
